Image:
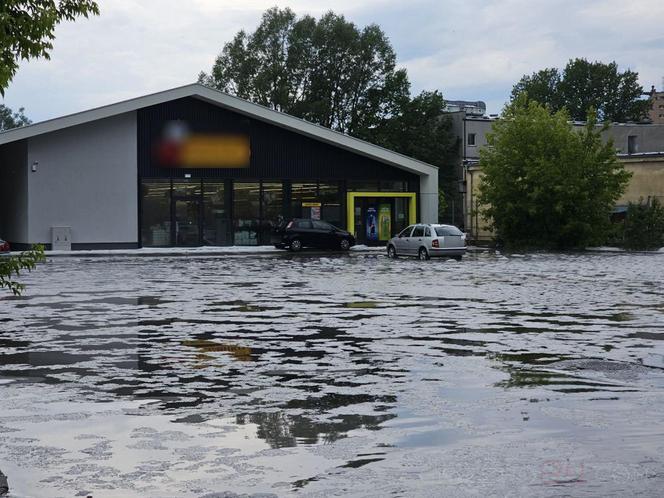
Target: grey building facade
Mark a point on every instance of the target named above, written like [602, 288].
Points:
[103, 176]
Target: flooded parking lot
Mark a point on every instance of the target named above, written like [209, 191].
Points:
[537, 375]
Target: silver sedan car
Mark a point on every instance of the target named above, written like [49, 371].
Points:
[428, 240]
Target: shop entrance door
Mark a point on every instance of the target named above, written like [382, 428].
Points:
[187, 217]
[375, 217]
[374, 220]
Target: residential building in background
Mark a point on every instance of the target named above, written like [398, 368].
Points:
[471, 108]
[656, 113]
[639, 146]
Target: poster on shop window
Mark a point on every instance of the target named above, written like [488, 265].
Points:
[314, 209]
[384, 222]
[372, 222]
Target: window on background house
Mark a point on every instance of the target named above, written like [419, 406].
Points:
[632, 145]
[471, 139]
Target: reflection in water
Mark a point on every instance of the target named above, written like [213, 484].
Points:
[366, 363]
[282, 430]
[237, 352]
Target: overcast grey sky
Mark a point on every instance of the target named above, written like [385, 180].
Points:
[468, 49]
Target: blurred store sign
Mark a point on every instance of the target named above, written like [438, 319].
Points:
[180, 148]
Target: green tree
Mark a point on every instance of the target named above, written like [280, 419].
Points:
[543, 87]
[546, 185]
[11, 267]
[332, 73]
[10, 119]
[327, 71]
[583, 85]
[28, 26]
[420, 128]
[644, 225]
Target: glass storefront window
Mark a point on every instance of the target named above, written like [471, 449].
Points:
[400, 220]
[187, 212]
[246, 209]
[377, 186]
[302, 195]
[393, 186]
[156, 213]
[362, 186]
[272, 209]
[186, 188]
[216, 224]
[328, 194]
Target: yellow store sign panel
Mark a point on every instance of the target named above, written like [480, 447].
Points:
[204, 151]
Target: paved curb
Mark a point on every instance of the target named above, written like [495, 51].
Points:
[260, 251]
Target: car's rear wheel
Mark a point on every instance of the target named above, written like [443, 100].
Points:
[391, 252]
[458, 258]
[344, 244]
[296, 245]
[423, 255]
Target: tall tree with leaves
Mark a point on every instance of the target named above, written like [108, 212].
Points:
[27, 29]
[327, 71]
[330, 72]
[10, 119]
[545, 184]
[582, 85]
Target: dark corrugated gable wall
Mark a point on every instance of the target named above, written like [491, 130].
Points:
[276, 153]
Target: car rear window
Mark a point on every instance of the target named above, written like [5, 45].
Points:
[302, 224]
[442, 231]
[418, 232]
[321, 225]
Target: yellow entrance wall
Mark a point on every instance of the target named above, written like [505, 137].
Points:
[350, 205]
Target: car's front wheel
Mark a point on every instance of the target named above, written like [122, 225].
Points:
[423, 255]
[344, 244]
[391, 252]
[296, 245]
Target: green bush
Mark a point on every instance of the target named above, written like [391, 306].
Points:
[545, 184]
[644, 225]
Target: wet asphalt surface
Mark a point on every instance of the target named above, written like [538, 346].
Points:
[321, 375]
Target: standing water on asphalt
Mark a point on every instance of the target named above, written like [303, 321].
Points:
[308, 375]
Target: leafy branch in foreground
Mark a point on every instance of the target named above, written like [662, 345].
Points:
[11, 267]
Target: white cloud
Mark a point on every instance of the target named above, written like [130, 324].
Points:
[472, 49]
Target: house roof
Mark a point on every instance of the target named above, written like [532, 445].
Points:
[232, 103]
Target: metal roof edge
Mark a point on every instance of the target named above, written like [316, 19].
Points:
[236, 104]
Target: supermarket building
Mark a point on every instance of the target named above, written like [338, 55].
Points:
[193, 166]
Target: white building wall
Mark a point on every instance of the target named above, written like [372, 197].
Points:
[86, 179]
[429, 197]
